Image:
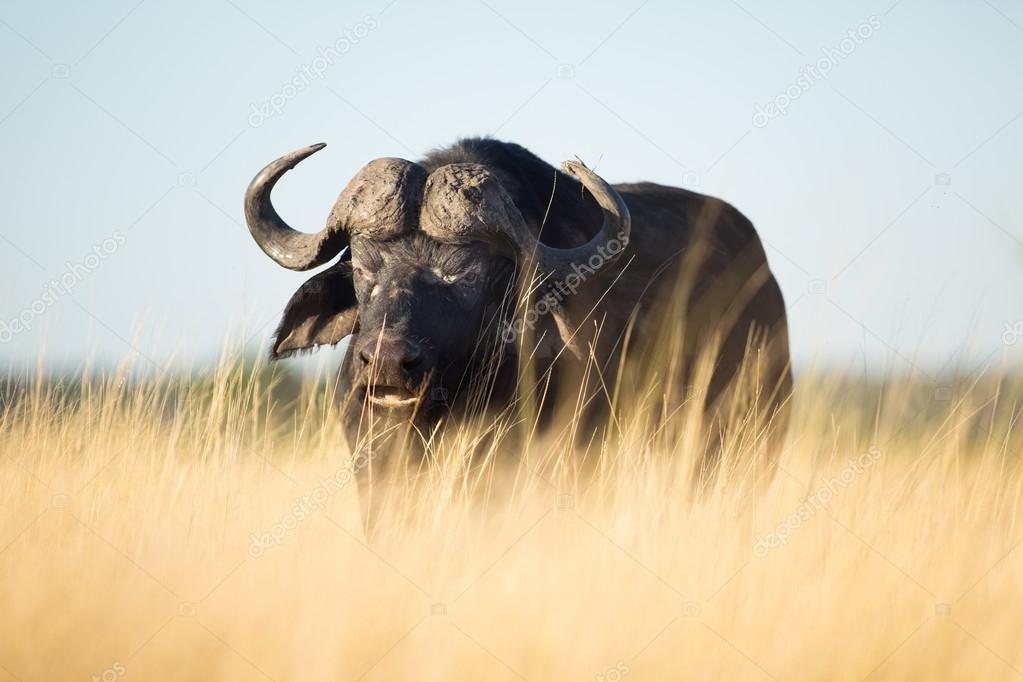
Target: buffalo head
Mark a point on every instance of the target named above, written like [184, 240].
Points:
[432, 261]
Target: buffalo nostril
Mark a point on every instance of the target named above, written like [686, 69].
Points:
[391, 353]
[413, 355]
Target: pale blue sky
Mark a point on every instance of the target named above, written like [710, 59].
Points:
[889, 194]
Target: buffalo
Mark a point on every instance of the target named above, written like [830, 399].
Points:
[455, 268]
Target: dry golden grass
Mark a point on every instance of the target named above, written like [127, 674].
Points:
[129, 507]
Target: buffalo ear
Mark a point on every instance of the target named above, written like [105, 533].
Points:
[323, 311]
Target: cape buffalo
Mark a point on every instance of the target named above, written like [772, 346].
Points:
[441, 254]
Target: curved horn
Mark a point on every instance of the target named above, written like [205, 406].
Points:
[466, 200]
[613, 236]
[288, 247]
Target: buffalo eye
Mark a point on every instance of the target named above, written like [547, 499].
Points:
[467, 277]
[364, 281]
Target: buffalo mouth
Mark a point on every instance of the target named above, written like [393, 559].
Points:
[391, 397]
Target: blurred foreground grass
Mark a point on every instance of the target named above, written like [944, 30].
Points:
[203, 527]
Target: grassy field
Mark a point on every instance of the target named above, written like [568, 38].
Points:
[203, 528]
